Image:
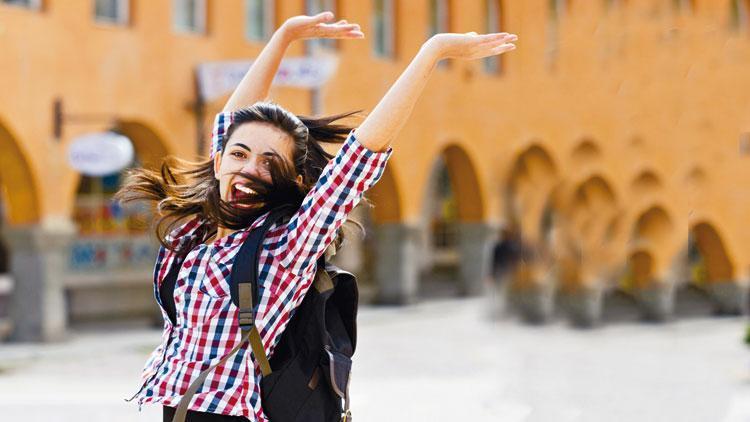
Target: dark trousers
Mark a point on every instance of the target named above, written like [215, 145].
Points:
[201, 416]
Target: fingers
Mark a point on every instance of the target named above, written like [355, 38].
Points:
[499, 37]
[323, 17]
[340, 30]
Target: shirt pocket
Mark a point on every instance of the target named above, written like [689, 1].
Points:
[215, 282]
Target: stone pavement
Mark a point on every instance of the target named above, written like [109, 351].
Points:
[438, 361]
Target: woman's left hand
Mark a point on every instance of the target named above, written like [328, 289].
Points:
[319, 26]
[470, 46]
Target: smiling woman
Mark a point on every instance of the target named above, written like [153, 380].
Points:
[264, 159]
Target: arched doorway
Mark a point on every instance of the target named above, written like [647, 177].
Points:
[530, 195]
[374, 255]
[649, 281]
[19, 211]
[114, 249]
[711, 270]
[455, 253]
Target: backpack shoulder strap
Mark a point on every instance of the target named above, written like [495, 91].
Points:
[244, 286]
[245, 266]
[244, 291]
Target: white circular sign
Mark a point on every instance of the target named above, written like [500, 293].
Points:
[100, 154]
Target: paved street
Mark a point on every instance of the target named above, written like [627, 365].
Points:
[439, 361]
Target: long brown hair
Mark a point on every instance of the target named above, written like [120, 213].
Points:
[183, 189]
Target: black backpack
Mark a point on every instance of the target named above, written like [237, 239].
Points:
[307, 378]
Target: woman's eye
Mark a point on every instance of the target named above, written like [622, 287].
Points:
[238, 154]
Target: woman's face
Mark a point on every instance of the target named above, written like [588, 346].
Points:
[248, 150]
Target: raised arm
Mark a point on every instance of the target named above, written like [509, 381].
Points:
[257, 81]
[389, 116]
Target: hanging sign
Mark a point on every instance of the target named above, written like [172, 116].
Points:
[100, 154]
[216, 79]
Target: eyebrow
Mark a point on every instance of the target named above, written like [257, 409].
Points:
[241, 145]
[271, 153]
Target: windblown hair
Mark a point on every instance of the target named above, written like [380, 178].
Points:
[182, 189]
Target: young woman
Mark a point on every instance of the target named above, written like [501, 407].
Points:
[263, 156]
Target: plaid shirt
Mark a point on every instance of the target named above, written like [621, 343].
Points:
[206, 325]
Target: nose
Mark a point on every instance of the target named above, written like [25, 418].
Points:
[253, 166]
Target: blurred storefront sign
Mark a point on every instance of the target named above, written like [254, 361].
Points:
[216, 79]
[99, 154]
[112, 253]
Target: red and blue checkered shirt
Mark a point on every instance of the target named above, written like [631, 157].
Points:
[206, 319]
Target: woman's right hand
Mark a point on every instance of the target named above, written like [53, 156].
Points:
[319, 26]
[469, 46]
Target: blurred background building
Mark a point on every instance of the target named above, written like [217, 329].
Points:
[613, 146]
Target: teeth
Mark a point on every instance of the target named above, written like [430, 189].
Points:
[245, 189]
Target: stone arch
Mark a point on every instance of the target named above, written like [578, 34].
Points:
[592, 202]
[718, 265]
[646, 182]
[150, 146]
[653, 225]
[586, 151]
[454, 240]
[20, 206]
[641, 270]
[696, 177]
[21, 197]
[466, 184]
[386, 199]
[530, 190]
[531, 178]
[593, 192]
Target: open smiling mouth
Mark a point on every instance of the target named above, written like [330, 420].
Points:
[239, 193]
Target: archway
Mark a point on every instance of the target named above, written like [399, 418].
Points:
[455, 238]
[710, 270]
[527, 190]
[592, 216]
[715, 265]
[22, 195]
[652, 284]
[377, 256]
[19, 206]
[114, 245]
[531, 199]
[653, 225]
[585, 152]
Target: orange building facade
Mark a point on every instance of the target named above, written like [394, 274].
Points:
[614, 139]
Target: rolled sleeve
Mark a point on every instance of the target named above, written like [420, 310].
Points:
[222, 122]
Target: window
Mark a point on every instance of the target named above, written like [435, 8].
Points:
[313, 7]
[439, 21]
[439, 17]
[259, 19]
[739, 14]
[112, 11]
[556, 10]
[683, 5]
[384, 23]
[189, 16]
[493, 10]
[29, 4]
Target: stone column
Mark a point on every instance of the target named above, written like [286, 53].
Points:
[38, 256]
[730, 297]
[585, 305]
[396, 266]
[657, 300]
[474, 243]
